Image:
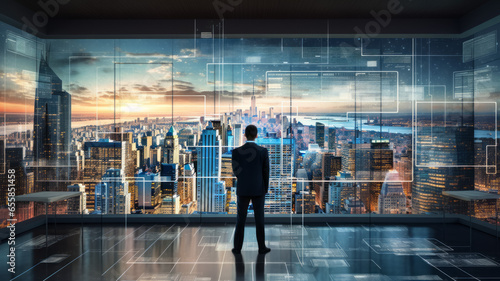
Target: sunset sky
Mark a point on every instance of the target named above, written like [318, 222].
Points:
[141, 73]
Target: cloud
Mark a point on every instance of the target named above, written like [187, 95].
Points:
[184, 53]
[181, 87]
[77, 89]
[165, 70]
[187, 51]
[83, 100]
[78, 59]
[142, 88]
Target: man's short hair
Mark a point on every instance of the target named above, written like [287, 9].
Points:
[251, 132]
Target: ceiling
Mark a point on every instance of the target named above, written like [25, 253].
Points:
[119, 18]
[254, 9]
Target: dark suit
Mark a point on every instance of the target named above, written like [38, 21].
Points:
[251, 168]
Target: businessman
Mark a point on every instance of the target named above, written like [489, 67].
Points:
[251, 168]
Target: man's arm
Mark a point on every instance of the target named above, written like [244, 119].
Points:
[265, 170]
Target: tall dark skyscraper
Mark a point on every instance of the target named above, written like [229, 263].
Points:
[320, 134]
[52, 124]
[51, 128]
[332, 140]
[169, 179]
[330, 166]
[444, 160]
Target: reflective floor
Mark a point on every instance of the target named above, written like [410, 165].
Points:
[203, 252]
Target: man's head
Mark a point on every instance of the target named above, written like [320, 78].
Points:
[251, 132]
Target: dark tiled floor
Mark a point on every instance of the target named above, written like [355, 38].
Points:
[202, 253]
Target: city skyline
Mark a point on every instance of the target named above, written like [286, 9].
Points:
[342, 140]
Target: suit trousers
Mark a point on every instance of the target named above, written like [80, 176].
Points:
[258, 207]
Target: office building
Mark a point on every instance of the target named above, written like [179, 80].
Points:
[171, 147]
[320, 134]
[305, 202]
[77, 205]
[170, 205]
[209, 153]
[332, 140]
[100, 156]
[51, 131]
[187, 185]
[279, 198]
[111, 194]
[238, 135]
[392, 199]
[227, 170]
[187, 138]
[444, 163]
[148, 189]
[169, 179]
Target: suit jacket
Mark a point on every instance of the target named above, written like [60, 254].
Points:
[251, 168]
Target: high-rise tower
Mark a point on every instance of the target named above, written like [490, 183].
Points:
[392, 199]
[51, 129]
[171, 147]
[320, 134]
[209, 169]
[279, 198]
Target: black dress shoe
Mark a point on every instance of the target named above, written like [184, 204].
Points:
[236, 252]
[264, 251]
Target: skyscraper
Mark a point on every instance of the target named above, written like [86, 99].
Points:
[302, 180]
[332, 140]
[187, 184]
[217, 125]
[253, 106]
[209, 168]
[238, 135]
[339, 191]
[148, 192]
[279, 198]
[320, 134]
[229, 138]
[77, 205]
[392, 199]
[440, 153]
[331, 165]
[220, 197]
[227, 169]
[169, 179]
[51, 129]
[187, 138]
[99, 157]
[111, 194]
[171, 147]
[381, 161]
[305, 202]
[170, 205]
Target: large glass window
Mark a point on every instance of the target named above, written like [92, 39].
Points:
[353, 126]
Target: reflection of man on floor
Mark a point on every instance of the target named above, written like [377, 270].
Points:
[251, 168]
